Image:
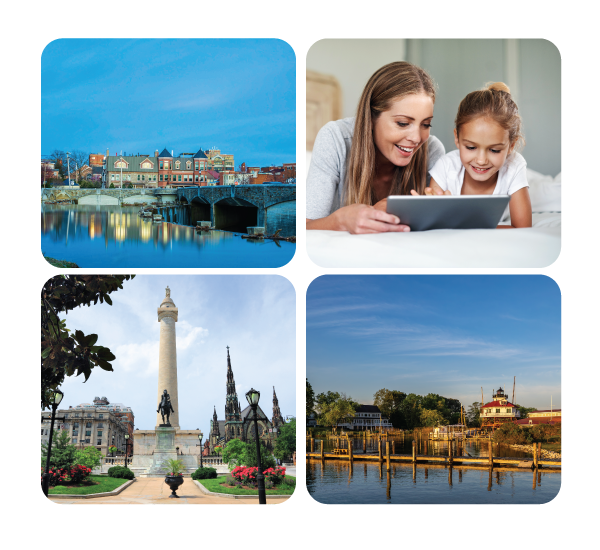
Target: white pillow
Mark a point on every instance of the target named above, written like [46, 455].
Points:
[544, 192]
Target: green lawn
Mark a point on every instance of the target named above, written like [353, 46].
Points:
[103, 484]
[215, 486]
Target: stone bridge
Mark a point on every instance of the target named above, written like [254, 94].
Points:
[239, 206]
[107, 197]
[232, 207]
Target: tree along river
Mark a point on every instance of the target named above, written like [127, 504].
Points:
[336, 482]
[115, 236]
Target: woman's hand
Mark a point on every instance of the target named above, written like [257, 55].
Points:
[360, 218]
[429, 192]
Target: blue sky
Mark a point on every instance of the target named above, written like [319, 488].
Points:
[137, 96]
[449, 335]
[254, 315]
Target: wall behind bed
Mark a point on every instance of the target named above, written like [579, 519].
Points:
[531, 68]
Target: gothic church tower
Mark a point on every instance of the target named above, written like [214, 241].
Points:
[232, 406]
[277, 418]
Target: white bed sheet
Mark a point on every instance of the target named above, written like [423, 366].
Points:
[538, 246]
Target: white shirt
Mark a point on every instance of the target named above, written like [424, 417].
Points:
[449, 174]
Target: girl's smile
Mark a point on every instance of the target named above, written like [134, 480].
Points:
[483, 146]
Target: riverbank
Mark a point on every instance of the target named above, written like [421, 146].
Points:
[546, 454]
[60, 263]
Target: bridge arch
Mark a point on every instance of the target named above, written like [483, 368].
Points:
[235, 214]
[281, 215]
[103, 200]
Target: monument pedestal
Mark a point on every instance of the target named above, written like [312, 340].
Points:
[163, 451]
[151, 448]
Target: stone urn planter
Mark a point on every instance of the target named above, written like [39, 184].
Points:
[174, 482]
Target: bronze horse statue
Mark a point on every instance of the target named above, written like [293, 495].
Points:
[165, 407]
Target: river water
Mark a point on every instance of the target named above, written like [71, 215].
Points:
[335, 482]
[114, 236]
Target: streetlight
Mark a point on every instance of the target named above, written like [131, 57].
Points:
[252, 397]
[126, 448]
[56, 399]
[200, 445]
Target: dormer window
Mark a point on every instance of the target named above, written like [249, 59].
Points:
[188, 165]
[178, 165]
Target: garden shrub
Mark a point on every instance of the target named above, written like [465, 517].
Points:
[512, 434]
[120, 472]
[205, 473]
[275, 475]
[57, 476]
[79, 473]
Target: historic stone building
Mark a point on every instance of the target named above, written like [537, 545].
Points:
[99, 424]
[137, 171]
[239, 423]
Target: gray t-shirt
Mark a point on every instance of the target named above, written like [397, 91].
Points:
[327, 171]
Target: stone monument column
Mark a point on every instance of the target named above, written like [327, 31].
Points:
[167, 358]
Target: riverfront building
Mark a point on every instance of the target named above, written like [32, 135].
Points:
[498, 411]
[541, 417]
[366, 418]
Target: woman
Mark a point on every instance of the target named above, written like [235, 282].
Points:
[386, 150]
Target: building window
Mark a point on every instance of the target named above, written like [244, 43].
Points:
[99, 442]
[196, 166]
[497, 411]
[66, 416]
[101, 425]
[160, 177]
[75, 432]
[43, 434]
[160, 164]
[179, 178]
[88, 432]
[143, 177]
[87, 440]
[75, 425]
[99, 416]
[89, 415]
[177, 165]
[100, 433]
[88, 424]
[74, 440]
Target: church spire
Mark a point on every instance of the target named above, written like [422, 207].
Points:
[277, 418]
[232, 405]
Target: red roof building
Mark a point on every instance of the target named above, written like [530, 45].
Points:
[499, 411]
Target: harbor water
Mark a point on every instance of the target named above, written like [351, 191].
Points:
[339, 482]
[114, 236]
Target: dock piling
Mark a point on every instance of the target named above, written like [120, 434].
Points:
[387, 454]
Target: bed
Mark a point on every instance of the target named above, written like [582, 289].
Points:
[538, 246]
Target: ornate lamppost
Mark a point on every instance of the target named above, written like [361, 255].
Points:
[252, 397]
[56, 399]
[200, 435]
[126, 448]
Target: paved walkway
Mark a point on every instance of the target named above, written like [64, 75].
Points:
[154, 490]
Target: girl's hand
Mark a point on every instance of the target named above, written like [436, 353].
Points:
[361, 219]
[430, 192]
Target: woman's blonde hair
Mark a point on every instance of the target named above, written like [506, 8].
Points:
[390, 83]
[494, 102]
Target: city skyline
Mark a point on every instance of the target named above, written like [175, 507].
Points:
[137, 96]
[449, 335]
[214, 312]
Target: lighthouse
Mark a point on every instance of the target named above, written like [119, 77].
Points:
[498, 411]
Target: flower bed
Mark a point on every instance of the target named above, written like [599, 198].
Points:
[246, 476]
[76, 474]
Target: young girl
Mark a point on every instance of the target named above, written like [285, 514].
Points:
[487, 131]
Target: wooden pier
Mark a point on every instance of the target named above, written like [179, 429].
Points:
[388, 456]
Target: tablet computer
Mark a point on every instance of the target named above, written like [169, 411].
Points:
[448, 211]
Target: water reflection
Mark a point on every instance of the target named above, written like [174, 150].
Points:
[339, 482]
[112, 236]
[343, 482]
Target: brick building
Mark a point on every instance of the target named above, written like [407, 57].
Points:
[96, 159]
[137, 171]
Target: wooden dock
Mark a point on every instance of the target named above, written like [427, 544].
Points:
[388, 457]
